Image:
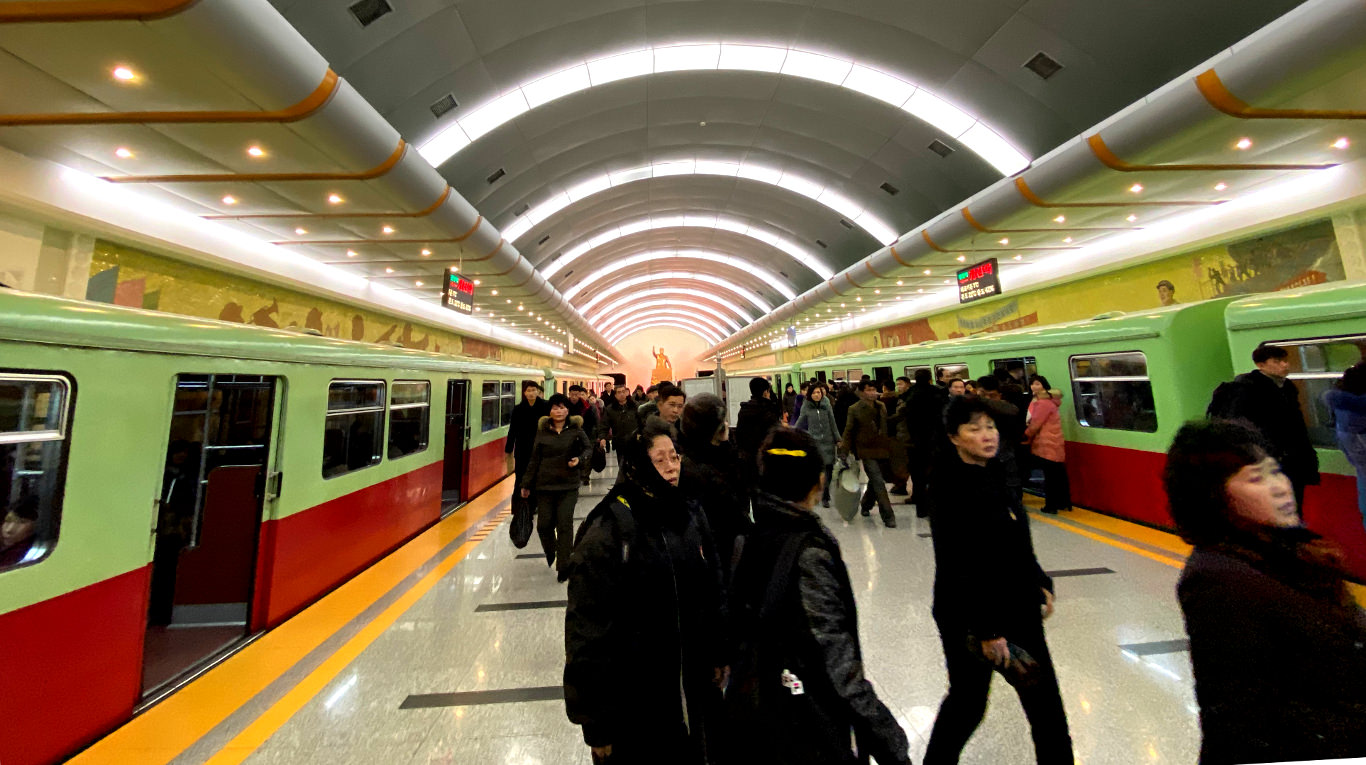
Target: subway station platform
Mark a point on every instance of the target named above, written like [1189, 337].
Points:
[450, 651]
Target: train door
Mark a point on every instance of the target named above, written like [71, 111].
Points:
[217, 484]
[457, 435]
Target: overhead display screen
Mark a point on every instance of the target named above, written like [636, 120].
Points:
[458, 294]
[978, 281]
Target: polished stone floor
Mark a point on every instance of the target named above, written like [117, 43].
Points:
[1116, 638]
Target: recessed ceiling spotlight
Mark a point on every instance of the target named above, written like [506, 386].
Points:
[900, 282]
[388, 270]
[1341, 143]
[350, 253]
[124, 74]
[1137, 188]
[877, 292]
[1060, 219]
[858, 299]
[1019, 257]
[455, 269]
[962, 258]
[922, 289]
[1243, 144]
[1132, 218]
[1220, 186]
[229, 200]
[1067, 240]
[123, 153]
[426, 252]
[301, 231]
[418, 283]
[388, 229]
[477, 282]
[493, 292]
[509, 301]
[334, 199]
[927, 272]
[1005, 240]
[256, 151]
[946, 281]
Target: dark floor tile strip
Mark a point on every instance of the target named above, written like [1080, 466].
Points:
[475, 698]
[531, 556]
[522, 606]
[1157, 647]
[1078, 572]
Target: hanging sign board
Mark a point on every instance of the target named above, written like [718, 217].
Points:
[458, 294]
[978, 281]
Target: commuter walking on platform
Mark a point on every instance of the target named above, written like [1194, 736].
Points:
[1276, 640]
[798, 690]
[1347, 401]
[1270, 402]
[651, 405]
[1043, 432]
[818, 419]
[795, 410]
[711, 471]
[757, 417]
[668, 407]
[560, 449]
[865, 435]
[1011, 427]
[789, 400]
[990, 595]
[845, 397]
[620, 420]
[526, 418]
[579, 406]
[644, 631]
[924, 418]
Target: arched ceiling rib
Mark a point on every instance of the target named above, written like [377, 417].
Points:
[654, 279]
[684, 324]
[623, 310]
[702, 261]
[723, 301]
[607, 328]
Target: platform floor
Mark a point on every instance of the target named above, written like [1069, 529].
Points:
[451, 652]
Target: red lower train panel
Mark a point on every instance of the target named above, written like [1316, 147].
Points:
[72, 668]
[484, 466]
[1128, 483]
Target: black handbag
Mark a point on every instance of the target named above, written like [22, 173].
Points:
[523, 521]
[599, 462]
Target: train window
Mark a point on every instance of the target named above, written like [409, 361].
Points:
[33, 442]
[1316, 364]
[1113, 391]
[882, 374]
[954, 370]
[509, 400]
[354, 430]
[820, 376]
[854, 374]
[1022, 368]
[909, 372]
[410, 406]
[491, 409]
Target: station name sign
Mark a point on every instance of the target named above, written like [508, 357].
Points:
[978, 281]
[457, 292]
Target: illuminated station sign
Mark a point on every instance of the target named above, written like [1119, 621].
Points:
[978, 281]
[458, 294]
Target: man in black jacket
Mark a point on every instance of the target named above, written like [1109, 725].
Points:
[990, 594]
[760, 414]
[1271, 403]
[925, 427]
[797, 687]
[579, 407]
[620, 419]
[522, 433]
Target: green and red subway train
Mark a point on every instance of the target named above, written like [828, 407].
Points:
[193, 483]
[1131, 380]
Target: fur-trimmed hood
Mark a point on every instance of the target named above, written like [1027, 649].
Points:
[572, 421]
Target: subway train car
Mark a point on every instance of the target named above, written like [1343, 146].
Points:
[1131, 380]
[192, 483]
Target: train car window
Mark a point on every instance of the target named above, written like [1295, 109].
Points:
[954, 370]
[1315, 365]
[491, 409]
[508, 401]
[837, 375]
[33, 443]
[1113, 391]
[854, 374]
[354, 432]
[1022, 368]
[909, 372]
[820, 376]
[410, 407]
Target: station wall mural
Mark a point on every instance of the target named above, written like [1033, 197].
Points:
[126, 276]
[1297, 257]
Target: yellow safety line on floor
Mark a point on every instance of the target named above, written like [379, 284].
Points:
[166, 730]
[1149, 554]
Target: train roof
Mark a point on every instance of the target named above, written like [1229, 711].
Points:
[32, 318]
[1308, 305]
[1107, 327]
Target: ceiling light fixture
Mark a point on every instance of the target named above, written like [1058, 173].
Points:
[1132, 218]
[387, 229]
[256, 151]
[1220, 186]
[493, 292]
[1060, 219]
[350, 253]
[1004, 240]
[1243, 144]
[334, 199]
[1136, 188]
[927, 272]
[962, 258]
[477, 282]
[123, 153]
[125, 74]
[418, 283]
[300, 231]
[426, 252]
[1067, 240]
[388, 270]
[229, 199]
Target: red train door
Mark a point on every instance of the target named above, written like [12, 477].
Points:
[457, 423]
[216, 483]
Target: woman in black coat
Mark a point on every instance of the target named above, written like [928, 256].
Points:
[644, 628]
[711, 470]
[990, 594]
[561, 447]
[526, 416]
[1278, 646]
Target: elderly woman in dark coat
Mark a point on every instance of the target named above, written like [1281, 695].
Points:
[1278, 646]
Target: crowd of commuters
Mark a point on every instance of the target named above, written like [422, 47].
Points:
[707, 576]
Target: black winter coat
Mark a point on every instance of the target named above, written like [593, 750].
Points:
[794, 614]
[986, 578]
[522, 433]
[1278, 653]
[924, 414]
[549, 469]
[711, 477]
[756, 418]
[618, 422]
[1275, 411]
[645, 625]
[589, 414]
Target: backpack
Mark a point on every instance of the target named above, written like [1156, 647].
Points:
[1222, 403]
[621, 517]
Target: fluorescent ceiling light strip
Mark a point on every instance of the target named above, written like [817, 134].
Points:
[637, 303]
[707, 279]
[607, 327]
[668, 258]
[711, 57]
[710, 297]
[635, 327]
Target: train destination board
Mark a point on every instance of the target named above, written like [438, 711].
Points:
[458, 292]
[978, 281]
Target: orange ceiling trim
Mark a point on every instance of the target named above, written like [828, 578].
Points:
[90, 10]
[495, 251]
[364, 175]
[515, 263]
[857, 286]
[868, 265]
[897, 258]
[832, 288]
[520, 284]
[925, 234]
[310, 104]
[478, 221]
[1038, 201]
[291, 216]
[1112, 161]
[1218, 95]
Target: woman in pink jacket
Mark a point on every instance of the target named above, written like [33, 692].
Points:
[1043, 433]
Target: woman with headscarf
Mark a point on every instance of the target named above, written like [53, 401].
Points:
[643, 631]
